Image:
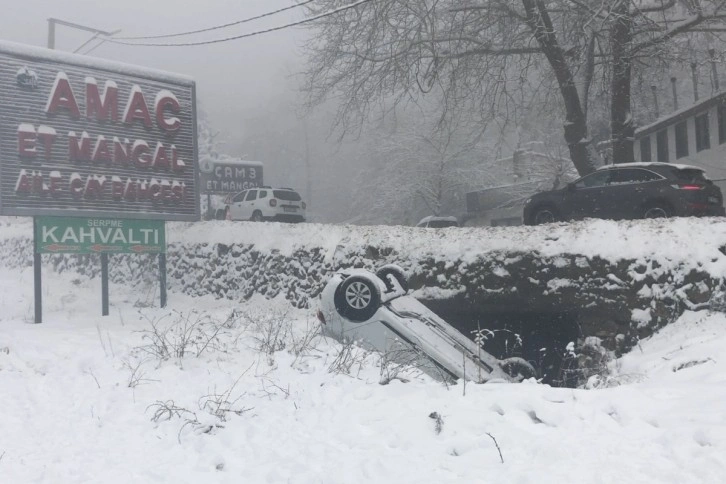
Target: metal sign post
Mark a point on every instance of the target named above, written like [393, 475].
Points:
[104, 284]
[162, 280]
[37, 279]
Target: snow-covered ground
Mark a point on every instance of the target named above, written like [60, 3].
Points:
[85, 398]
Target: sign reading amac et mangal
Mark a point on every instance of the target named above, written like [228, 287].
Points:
[86, 137]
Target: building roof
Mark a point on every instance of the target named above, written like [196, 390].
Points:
[681, 114]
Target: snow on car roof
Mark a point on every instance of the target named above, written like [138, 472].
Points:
[42, 54]
[651, 163]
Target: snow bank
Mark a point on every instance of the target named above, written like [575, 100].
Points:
[82, 402]
[617, 281]
[687, 243]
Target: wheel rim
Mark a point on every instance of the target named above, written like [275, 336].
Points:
[358, 295]
[656, 212]
[544, 217]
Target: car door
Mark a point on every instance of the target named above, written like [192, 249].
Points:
[235, 206]
[628, 189]
[587, 197]
[248, 206]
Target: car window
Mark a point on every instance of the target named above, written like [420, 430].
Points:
[690, 175]
[239, 197]
[262, 194]
[288, 195]
[632, 175]
[251, 195]
[597, 179]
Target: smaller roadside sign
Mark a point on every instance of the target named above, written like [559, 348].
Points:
[229, 176]
[73, 235]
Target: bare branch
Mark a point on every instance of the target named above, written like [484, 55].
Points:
[661, 6]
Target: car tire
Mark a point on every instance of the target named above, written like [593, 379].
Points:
[657, 210]
[256, 216]
[395, 271]
[518, 368]
[357, 298]
[545, 214]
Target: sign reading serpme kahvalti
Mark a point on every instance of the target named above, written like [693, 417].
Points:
[58, 235]
[86, 137]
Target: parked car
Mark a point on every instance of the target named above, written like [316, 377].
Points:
[629, 191]
[266, 203]
[438, 222]
[375, 309]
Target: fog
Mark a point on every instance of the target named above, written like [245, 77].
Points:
[247, 92]
[246, 88]
[235, 80]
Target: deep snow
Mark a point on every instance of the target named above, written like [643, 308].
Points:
[78, 393]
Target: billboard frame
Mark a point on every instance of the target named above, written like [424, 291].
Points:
[128, 74]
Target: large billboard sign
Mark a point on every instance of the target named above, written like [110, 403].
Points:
[86, 137]
[229, 176]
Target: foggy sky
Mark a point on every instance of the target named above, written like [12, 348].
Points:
[236, 80]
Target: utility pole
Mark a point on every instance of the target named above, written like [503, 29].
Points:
[51, 33]
[308, 174]
[52, 22]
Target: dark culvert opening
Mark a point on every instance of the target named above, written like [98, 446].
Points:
[539, 337]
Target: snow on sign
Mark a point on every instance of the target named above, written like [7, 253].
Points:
[72, 235]
[87, 137]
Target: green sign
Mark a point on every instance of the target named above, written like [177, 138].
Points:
[70, 235]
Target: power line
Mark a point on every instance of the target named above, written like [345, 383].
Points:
[91, 49]
[95, 36]
[209, 29]
[252, 34]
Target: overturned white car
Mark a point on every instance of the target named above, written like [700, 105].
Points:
[375, 310]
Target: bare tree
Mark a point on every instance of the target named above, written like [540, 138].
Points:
[497, 56]
[644, 34]
[418, 167]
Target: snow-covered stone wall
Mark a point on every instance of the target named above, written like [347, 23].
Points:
[615, 280]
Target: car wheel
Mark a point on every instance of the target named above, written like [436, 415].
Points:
[357, 298]
[657, 210]
[256, 216]
[392, 270]
[518, 368]
[544, 215]
[227, 214]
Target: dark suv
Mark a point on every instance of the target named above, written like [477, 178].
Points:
[628, 191]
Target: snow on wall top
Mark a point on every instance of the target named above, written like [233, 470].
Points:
[678, 242]
[23, 50]
[685, 242]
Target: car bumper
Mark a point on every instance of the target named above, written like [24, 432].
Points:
[692, 209]
[288, 217]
